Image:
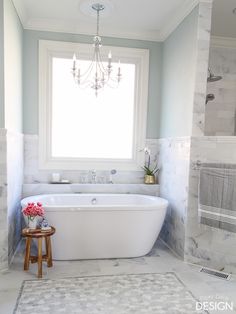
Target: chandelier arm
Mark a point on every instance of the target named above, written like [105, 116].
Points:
[101, 68]
[89, 67]
[86, 80]
[85, 85]
[101, 63]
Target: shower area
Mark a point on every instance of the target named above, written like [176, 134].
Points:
[220, 114]
[213, 245]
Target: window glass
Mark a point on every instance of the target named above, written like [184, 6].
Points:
[86, 126]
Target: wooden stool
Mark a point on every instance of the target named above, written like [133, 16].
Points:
[38, 234]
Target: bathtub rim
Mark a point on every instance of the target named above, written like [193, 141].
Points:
[162, 204]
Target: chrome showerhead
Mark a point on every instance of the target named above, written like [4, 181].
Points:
[212, 77]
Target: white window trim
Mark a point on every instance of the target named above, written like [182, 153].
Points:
[50, 49]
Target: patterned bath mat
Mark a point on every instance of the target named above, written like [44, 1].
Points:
[116, 294]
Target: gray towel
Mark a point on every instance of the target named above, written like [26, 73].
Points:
[217, 196]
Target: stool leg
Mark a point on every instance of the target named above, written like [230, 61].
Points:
[40, 258]
[27, 253]
[49, 252]
[46, 245]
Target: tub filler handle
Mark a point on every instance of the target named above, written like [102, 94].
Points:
[94, 201]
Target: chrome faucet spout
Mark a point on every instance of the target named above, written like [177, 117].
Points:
[94, 176]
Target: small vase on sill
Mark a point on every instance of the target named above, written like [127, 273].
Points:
[149, 179]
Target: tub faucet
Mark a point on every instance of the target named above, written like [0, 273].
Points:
[112, 172]
[94, 176]
[94, 201]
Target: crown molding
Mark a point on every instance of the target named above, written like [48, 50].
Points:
[180, 15]
[223, 42]
[60, 26]
[21, 11]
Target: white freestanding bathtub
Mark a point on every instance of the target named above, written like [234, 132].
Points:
[91, 226]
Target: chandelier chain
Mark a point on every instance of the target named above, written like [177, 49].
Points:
[98, 20]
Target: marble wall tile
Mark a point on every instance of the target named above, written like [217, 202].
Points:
[174, 156]
[205, 245]
[32, 173]
[14, 189]
[3, 201]
[220, 113]
[203, 43]
[44, 188]
[11, 179]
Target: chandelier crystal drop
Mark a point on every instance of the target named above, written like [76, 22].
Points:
[97, 74]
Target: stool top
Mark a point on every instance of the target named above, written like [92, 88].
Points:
[37, 233]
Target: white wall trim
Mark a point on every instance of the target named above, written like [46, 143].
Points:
[180, 15]
[56, 25]
[140, 57]
[223, 42]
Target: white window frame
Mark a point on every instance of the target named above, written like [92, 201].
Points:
[140, 57]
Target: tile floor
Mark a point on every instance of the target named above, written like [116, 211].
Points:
[160, 260]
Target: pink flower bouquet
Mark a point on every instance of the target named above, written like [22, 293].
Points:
[32, 210]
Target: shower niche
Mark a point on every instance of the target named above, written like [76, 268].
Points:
[220, 111]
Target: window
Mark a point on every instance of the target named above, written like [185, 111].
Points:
[78, 130]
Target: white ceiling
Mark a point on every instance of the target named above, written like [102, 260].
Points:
[138, 19]
[223, 19]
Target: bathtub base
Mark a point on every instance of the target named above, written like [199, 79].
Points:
[102, 226]
[97, 235]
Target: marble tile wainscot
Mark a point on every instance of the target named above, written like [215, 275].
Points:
[11, 179]
[174, 155]
[204, 245]
[15, 169]
[3, 201]
[32, 173]
[44, 188]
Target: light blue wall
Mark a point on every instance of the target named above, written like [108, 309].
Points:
[13, 63]
[178, 78]
[30, 93]
[2, 119]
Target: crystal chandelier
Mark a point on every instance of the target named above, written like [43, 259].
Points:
[97, 74]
